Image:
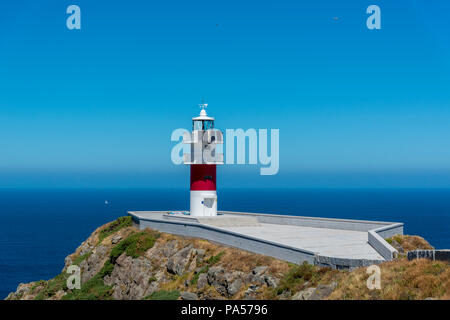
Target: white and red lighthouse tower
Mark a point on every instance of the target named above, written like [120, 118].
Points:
[203, 160]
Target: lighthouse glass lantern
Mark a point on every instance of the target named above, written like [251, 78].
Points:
[203, 160]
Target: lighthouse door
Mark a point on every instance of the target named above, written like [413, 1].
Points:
[209, 206]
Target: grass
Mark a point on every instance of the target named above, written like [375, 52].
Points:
[52, 286]
[93, 289]
[38, 284]
[214, 259]
[295, 279]
[135, 244]
[114, 226]
[210, 262]
[408, 243]
[163, 295]
[245, 261]
[81, 258]
[194, 279]
[400, 280]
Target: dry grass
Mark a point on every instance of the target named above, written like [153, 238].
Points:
[404, 243]
[400, 280]
[244, 261]
[232, 258]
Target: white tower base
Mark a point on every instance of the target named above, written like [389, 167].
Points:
[204, 203]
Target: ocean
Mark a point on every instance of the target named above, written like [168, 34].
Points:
[39, 228]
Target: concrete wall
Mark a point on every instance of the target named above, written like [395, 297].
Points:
[329, 223]
[191, 228]
[342, 263]
[376, 240]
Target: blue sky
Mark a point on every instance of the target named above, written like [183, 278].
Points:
[95, 107]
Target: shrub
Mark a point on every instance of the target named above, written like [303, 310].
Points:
[114, 226]
[93, 289]
[52, 286]
[81, 258]
[135, 245]
[298, 275]
[216, 258]
[211, 261]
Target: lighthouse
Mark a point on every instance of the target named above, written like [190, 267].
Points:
[203, 160]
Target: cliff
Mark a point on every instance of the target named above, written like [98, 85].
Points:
[119, 261]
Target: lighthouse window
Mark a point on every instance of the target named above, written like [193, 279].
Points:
[197, 125]
[207, 177]
[208, 124]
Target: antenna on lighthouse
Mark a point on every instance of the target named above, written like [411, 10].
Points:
[203, 106]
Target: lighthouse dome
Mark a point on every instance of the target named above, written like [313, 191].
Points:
[203, 116]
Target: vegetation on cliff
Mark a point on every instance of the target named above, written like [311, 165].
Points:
[119, 261]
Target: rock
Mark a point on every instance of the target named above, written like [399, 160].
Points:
[130, 278]
[220, 280]
[10, 296]
[304, 294]
[93, 264]
[234, 287]
[226, 283]
[217, 278]
[197, 270]
[322, 291]
[430, 298]
[23, 289]
[193, 264]
[67, 262]
[249, 294]
[178, 263]
[200, 254]
[202, 281]
[257, 276]
[115, 239]
[188, 296]
[170, 248]
[284, 296]
[397, 246]
[85, 247]
[259, 270]
[271, 281]
[58, 295]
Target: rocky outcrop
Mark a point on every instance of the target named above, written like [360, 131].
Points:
[182, 260]
[130, 264]
[119, 261]
[130, 278]
[94, 262]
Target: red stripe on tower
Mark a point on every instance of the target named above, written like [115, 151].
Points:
[203, 177]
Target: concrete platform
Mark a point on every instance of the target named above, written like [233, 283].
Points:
[338, 243]
[323, 241]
